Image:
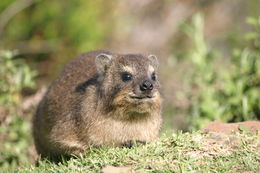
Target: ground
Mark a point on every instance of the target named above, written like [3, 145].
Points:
[181, 152]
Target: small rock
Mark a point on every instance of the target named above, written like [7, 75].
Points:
[112, 169]
[217, 126]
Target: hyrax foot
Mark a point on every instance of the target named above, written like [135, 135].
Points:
[133, 143]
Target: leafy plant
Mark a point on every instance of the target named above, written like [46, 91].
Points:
[227, 91]
[15, 75]
[14, 130]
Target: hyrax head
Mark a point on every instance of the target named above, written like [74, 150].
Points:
[129, 82]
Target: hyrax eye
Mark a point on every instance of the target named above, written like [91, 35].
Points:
[153, 76]
[125, 76]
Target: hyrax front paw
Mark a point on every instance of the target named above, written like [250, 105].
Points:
[133, 143]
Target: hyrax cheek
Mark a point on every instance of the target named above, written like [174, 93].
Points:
[119, 98]
[122, 97]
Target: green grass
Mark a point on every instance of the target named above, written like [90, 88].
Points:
[181, 152]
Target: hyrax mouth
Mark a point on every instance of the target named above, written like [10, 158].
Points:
[140, 97]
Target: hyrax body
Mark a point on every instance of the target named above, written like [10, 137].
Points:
[100, 98]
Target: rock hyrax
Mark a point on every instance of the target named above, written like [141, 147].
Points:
[100, 98]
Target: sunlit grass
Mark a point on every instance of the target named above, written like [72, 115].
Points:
[181, 152]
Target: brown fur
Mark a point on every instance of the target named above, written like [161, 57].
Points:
[88, 105]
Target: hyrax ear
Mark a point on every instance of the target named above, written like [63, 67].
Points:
[102, 62]
[154, 61]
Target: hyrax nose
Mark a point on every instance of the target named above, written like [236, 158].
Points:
[146, 86]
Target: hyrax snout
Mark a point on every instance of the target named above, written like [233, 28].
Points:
[100, 98]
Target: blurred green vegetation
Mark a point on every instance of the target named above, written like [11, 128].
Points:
[15, 75]
[76, 23]
[225, 89]
[15, 134]
[53, 30]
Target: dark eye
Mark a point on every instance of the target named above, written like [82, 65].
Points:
[125, 76]
[153, 76]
